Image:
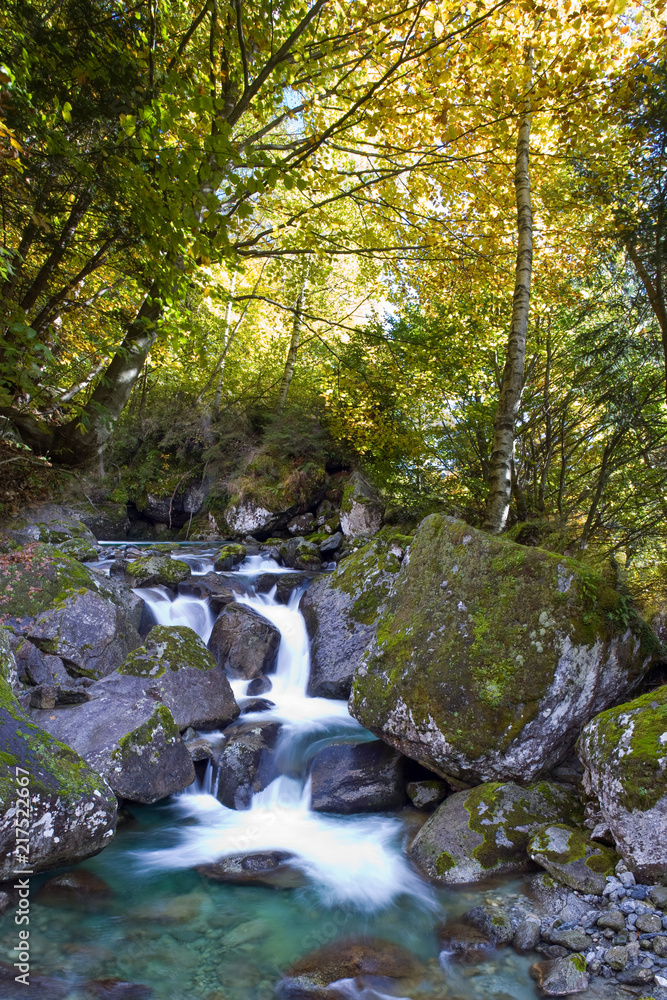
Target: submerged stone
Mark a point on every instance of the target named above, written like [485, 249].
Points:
[624, 753]
[486, 831]
[354, 778]
[490, 656]
[270, 868]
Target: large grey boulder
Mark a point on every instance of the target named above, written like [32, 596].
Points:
[48, 523]
[490, 657]
[624, 753]
[243, 642]
[108, 521]
[174, 509]
[360, 509]
[246, 762]
[341, 612]
[361, 777]
[486, 831]
[174, 667]
[92, 634]
[133, 743]
[72, 811]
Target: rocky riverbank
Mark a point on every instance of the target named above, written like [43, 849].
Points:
[509, 688]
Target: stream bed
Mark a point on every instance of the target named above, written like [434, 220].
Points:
[189, 938]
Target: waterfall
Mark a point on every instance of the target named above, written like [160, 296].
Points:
[354, 860]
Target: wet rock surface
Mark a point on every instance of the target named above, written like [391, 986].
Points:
[270, 868]
[362, 777]
[243, 643]
[246, 762]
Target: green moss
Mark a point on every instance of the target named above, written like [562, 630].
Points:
[167, 647]
[444, 863]
[484, 620]
[578, 961]
[631, 736]
[143, 735]
[159, 570]
[41, 577]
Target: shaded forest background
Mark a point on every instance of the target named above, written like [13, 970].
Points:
[256, 243]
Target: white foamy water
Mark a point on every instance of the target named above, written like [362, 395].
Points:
[354, 860]
[183, 610]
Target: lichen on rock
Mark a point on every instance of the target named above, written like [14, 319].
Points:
[490, 656]
[572, 858]
[486, 830]
[624, 753]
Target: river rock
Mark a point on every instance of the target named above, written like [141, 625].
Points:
[464, 942]
[246, 762]
[270, 868]
[493, 921]
[80, 889]
[133, 743]
[347, 959]
[260, 685]
[572, 858]
[108, 521]
[341, 610]
[156, 570]
[426, 794]
[72, 808]
[243, 642]
[300, 554]
[116, 989]
[490, 656]
[285, 584]
[624, 753]
[230, 556]
[92, 634]
[562, 976]
[361, 777]
[248, 517]
[360, 509]
[174, 509]
[486, 831]
[48, 523]
[301, 525]
[174, 667]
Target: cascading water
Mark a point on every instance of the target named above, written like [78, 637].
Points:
[189, 938]
[353, 860]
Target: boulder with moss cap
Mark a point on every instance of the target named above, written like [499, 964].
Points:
[572, 858]
[360, 509]
[174, 667]
[158, 570]
[133, 742]
[341, 611]
[485, 831]
[72, 808]
[490, 656]
[624, 753]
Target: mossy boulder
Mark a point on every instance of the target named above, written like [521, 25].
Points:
[175, 667]
[490, 656]
[561, 976]
[485, 831]
[157, 570]
[108, 521]
[341, 611]
[300, 554]
[624, 753]
[37, 577]
[132, 741]
[80, 549]
[360, 509]
[72, 808]
[572, 858]
[229, 556]
[48, 523]
[90, 633]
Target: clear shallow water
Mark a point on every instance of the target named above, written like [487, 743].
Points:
[192, 939]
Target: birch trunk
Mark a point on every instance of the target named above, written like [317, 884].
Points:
[511, 386]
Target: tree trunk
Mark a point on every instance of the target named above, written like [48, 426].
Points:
[655, 296]
[293, 347]
[511, 386]
[79, 441]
